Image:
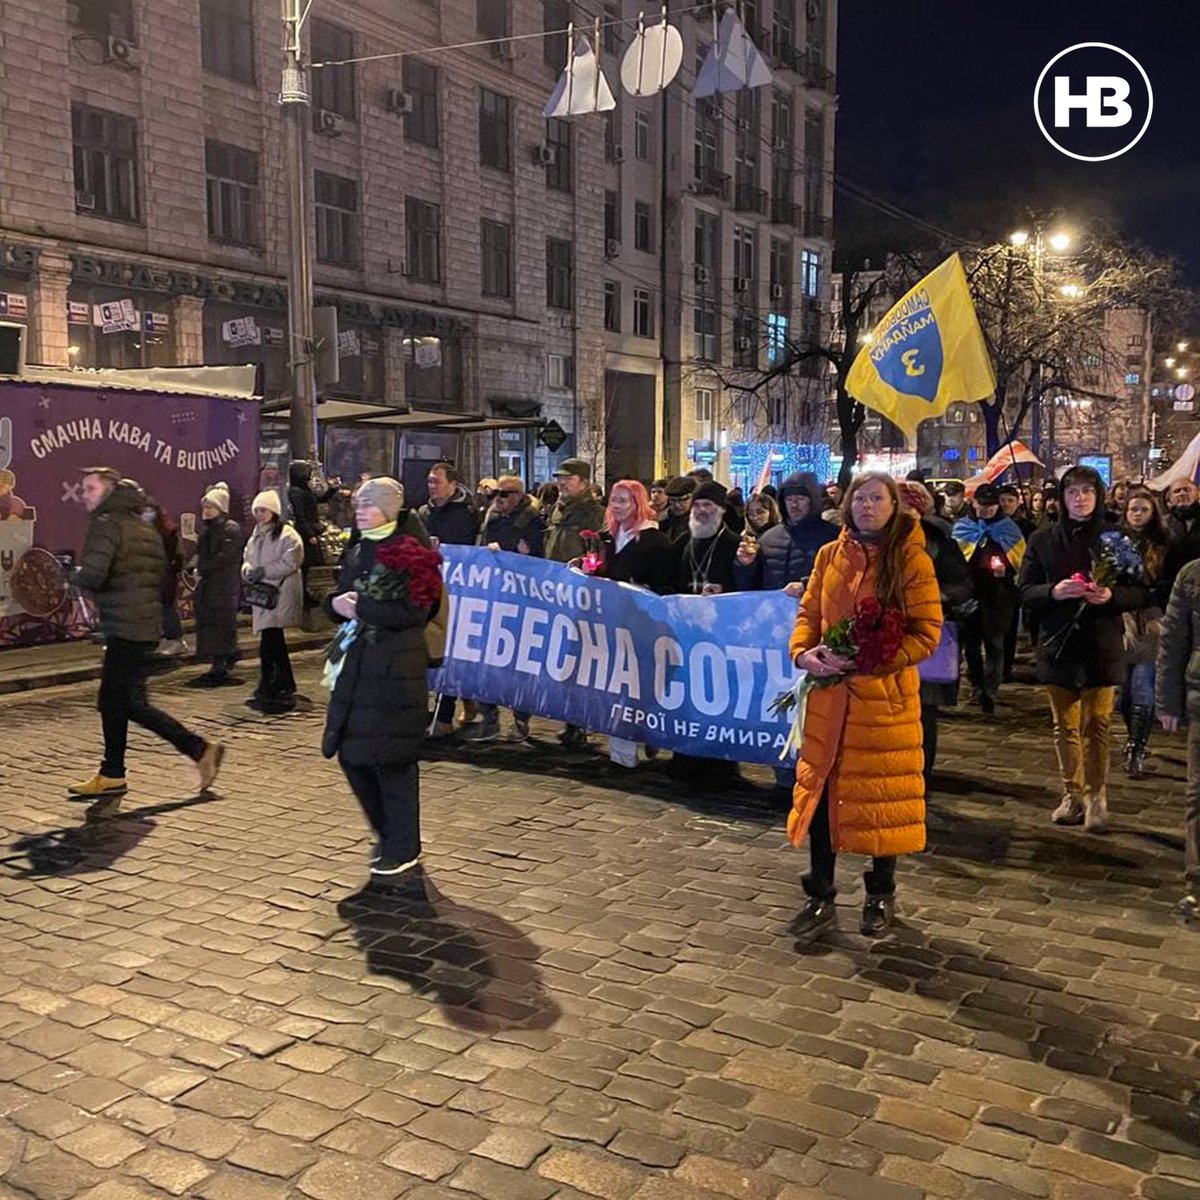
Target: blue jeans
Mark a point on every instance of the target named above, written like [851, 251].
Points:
[1138, 691]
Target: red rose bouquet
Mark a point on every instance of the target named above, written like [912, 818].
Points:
[403, 570]
[870, 639]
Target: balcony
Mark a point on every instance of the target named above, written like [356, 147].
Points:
[816, 225]
[747, 198]
[784, 212]
[710, 182]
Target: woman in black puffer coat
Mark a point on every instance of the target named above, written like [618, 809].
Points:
[1081, 674]
[377, 712]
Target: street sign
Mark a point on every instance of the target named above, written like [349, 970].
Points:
[1184, 391]
[1184, 406]
[552, 435]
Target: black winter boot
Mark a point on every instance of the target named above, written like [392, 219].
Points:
[1141, 722]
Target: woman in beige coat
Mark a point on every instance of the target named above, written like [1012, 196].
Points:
[273, 556]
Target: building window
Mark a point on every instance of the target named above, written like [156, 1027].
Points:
[421, 83]
[777, 409]
[333, 88]
[708, 247]
[704, 405]
[559, 171]
[643, 226]
[706, 329]
[495, 238]
[745, 253]
[707, 150]
[814, 162]
[560, 273]
[227, 39]
[105, 18]
[1133, 377]
[612, 217]
[233, 195]
[491, 18]
[781, 275]
[560, 371]
[495, 140]
[105, 146]
[612, 306]
[810, 274]
[423, 224]
[643, 313]
[641, 137]
[783, 35]
[337, 219]
[613, 41]
[556, 16]
[1136, 339]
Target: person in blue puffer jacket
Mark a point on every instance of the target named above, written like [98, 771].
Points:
[784, 556]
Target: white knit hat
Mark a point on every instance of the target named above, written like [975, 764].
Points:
[218, 497]
[268, 500]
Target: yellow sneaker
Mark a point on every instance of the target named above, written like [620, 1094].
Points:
[99, 785]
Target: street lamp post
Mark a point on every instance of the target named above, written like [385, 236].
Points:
[1059, 243]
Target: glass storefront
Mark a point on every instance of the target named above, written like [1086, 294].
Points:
[110, 327]
[236, 335]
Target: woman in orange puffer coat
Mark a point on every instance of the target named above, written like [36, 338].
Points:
[860, 786]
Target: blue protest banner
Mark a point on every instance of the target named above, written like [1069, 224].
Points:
[696, 674]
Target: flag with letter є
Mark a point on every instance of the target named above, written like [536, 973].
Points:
[927, 353]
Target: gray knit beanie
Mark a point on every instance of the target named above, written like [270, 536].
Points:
[385, 493]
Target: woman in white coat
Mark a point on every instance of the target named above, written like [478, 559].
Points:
[273, 556]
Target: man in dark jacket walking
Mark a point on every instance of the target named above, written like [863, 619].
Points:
[994, 548]
[783, 557]
[122, 565]
[449, 516]
[1178, 701]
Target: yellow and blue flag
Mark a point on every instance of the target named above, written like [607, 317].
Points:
[926, 354]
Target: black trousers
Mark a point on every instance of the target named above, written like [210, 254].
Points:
[929, 739]
[275, 678]
[123, 699]
[390, 796]
[985, 646]
[880, 879]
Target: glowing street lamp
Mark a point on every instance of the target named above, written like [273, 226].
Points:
[1059, 242]
[1020, 238]
[1072, 291]
[1170, 360]
[1181, 347]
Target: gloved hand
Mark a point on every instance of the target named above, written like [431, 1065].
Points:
[254, 574]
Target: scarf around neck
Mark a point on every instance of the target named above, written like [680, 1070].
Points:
[379, 532]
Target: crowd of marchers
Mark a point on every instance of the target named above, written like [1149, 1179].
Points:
[1104, 585]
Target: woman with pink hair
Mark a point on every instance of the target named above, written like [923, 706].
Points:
[635, 551]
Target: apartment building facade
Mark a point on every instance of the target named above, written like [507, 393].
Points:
[481, 259]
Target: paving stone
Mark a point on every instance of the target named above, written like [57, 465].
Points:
[590, 1174]
[142, 1114]
[1016, 1176]
[337, 1177]
[220, 1098]
[270, 1154]
[494, 1181]
[298, 1119]
[649, 1151]
[169, 1170]
[102, 1144]
[725, 1178]
[53, 1175]
[856, 1186]
[49, 1117]
[261, 1042]
[514, 1147]
[427, 1160]
[240, 1185]
[203, 1135]
[457, 1130]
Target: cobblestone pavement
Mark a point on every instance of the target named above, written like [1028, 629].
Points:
[601, 997]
